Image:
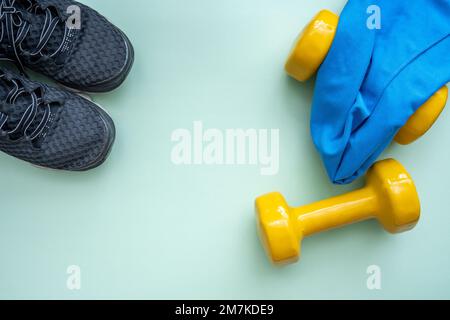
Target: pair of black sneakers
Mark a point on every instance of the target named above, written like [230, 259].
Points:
[77, 47]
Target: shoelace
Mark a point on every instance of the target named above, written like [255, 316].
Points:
[15, 28]
[29, 115]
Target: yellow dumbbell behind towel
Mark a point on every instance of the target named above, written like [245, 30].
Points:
[312, 47]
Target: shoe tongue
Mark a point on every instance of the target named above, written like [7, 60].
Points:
[15, 111]
[37, 18]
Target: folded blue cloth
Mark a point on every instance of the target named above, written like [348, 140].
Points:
[373, 80]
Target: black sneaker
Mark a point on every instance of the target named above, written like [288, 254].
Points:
[66, 41]
[51, 127]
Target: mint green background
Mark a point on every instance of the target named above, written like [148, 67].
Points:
[141, 227]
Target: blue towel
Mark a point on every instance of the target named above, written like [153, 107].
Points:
[373, 80]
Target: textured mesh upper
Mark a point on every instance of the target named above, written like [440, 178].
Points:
[16, 111]
[77, 135]
[97, 53]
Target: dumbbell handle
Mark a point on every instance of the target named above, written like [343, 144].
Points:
[335, 212]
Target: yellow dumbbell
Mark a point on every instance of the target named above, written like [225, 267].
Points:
[389, 196]
[312, 47]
